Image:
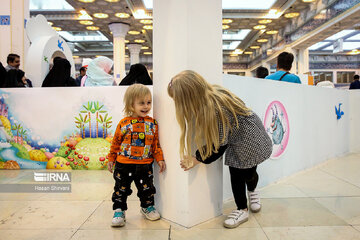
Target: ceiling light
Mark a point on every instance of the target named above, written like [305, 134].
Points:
[50, 23]
[144, 47]
[226, 21]
[147, 53]
[237, 51]
[234, 55]
[254, 47]
[141, 14]
[84, 15]
[354, 52]
[112, 0]
[146, 21]
[149, 27]
[122, 15]
[308, 1]
[127, 41]
[225, 26]
[99, 56]
[75, 56]
[126, 56]
[249, 53]
[273, 13]
[262, 40]
[272, 32]
[100, 15]
[259, 27]
[139, 41]
[133, 32]
[92, 28]
[292, 15]
[86, 22]
[86, 1]
[57, 28]
[265, 21]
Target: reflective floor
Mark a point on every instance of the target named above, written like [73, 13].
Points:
[321, 203]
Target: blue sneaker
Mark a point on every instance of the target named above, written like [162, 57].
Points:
[119, 218]
[150, 213]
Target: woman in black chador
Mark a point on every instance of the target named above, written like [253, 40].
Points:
[137, 74]
[59, 75]
[15, 78]
[3, 75]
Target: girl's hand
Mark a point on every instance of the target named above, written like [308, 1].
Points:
[162, 166]
[188, 163]
[110, 166]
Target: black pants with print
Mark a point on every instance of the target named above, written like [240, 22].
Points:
[240, 179]
[124, 174]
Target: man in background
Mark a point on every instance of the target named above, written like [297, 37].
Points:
[356, 83]
[13, 61]
[262, 72]
[284, 63]
[82, 74]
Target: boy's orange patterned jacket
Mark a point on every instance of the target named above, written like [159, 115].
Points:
[136, 141]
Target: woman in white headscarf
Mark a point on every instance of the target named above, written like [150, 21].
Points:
[97, 73]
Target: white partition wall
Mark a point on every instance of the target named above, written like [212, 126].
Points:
[187, 35]
[315, 132]
[354, 120]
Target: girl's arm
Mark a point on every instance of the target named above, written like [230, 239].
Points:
[213, 157]
[156, 148]
[157, 152]
[116, 144]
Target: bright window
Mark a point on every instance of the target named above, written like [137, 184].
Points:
[234, 4]
[341, 34]
[70, 36]
[240, 35]
[50, 5]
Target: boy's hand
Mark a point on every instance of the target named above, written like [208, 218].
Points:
[110, 166]
[162, 166]
[188, 163]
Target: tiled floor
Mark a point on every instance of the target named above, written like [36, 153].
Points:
[321, 203]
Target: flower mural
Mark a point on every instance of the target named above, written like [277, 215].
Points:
[85, 148]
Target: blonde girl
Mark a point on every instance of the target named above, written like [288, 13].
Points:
[217, 121]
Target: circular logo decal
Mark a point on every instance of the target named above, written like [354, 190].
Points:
[276, 123]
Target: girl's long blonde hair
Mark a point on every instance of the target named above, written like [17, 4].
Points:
[199, 105]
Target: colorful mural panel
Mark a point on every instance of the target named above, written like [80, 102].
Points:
[62, 128]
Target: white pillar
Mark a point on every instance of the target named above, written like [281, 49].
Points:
[13, 36]
[334, 76]
[294, 68]
[248, 73]
[134, 50]
[303, 61]
[119, 31]
[187, 198]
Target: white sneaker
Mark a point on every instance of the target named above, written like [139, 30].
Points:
[150, 213]
[254, 201]
[119, 218]
[235, 218]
